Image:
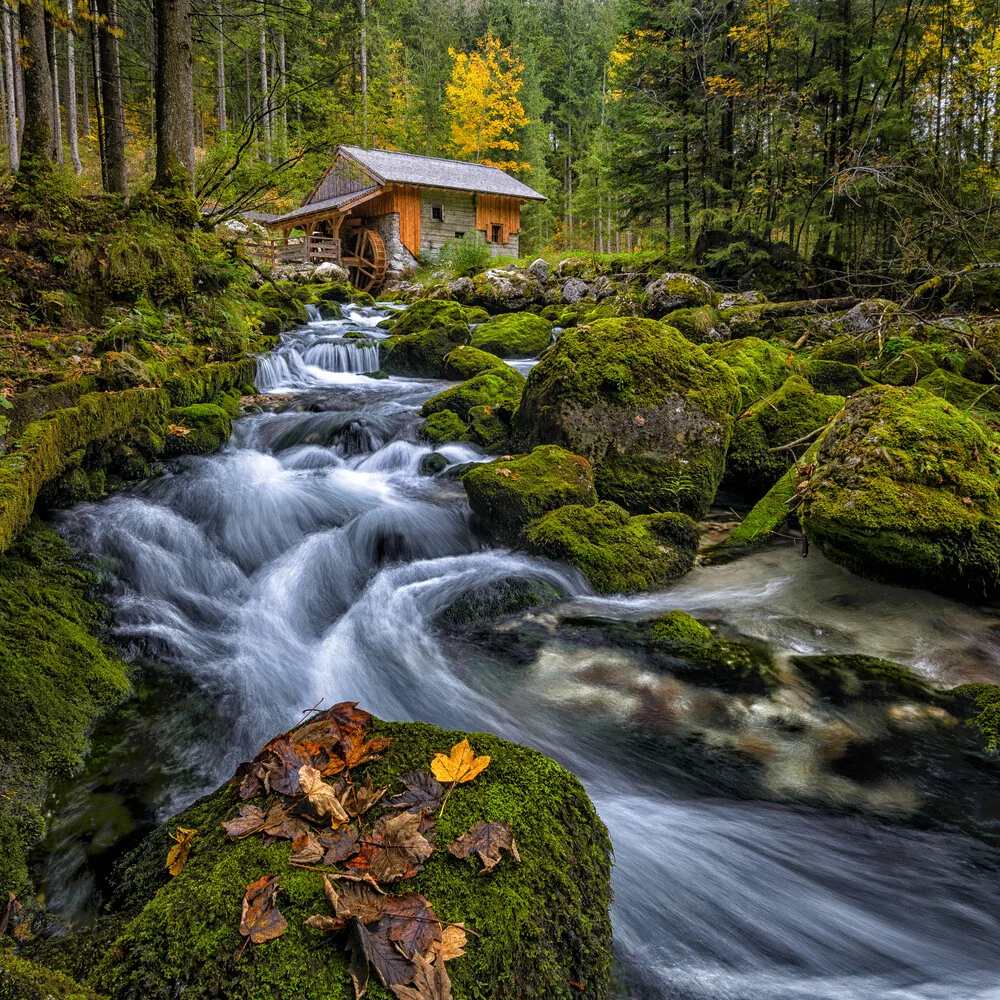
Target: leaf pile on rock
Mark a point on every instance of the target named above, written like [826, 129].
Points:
[314, 798]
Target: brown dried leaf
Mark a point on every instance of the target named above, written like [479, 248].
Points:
[322, 796]
[487, 840]
[390, 966]
[423, 792]
[261, 920]
[281, 770]
[322, 922]
[430, 982]
[307, 850]
[285, 827]
[178, 430]
[451, 944]
[360, 798]
[252, 819]
[340, 844]
[356, 751]
[394, 849]
[356, 899]
[178, 854]
[409, 921]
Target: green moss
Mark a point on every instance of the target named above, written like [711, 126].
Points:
[834, 378]
[56, 677]
[649, 410]
[422, 355]
[696, 654]
[617, 553]
[123, 370]
[905, 491]
[846, 678]
[210, 427]
[495, 388]
[513, 335]
[465, 362]
[444, 426]
[489, 427]
[790, 413]
[476, 314]
[961, 392]
[428, 314]
[846, 349]
[985, 701]
[906, 365]
[539, 924]
[759, 367]
[700, 325]
[24, 980]
[505, 495]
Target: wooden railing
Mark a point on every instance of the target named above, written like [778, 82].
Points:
[294, 249]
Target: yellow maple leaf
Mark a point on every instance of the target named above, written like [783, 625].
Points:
[178, 854]
[459, 766]
[178, 430]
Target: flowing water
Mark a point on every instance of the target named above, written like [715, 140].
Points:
[308, 561]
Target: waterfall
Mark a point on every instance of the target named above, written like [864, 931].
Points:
[314, 313]
[343, 357]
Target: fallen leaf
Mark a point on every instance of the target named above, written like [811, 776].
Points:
[322, 796]
[252, 819]
[356, 751]
[450, 945]
[178, 854]
[281, 772]
[423, 792]
[409, 921]
[390, 966]
[178, 430]
[395, 848]
[340, 844]
[307, 850]
[261, 920]
[360, 798]
[430, 982]
[487, 840]
[347, 715]
[460, 765]
[323, 922]
[356, 899]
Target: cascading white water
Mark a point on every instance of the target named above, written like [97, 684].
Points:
[309, 559]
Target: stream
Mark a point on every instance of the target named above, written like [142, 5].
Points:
[307, 561]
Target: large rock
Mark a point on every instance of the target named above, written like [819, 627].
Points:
[505, 495]
[574, 289]
[675, 290]
[759, 367]
[538, 923]
[423, 336]
[616, 552]
[513, 335]
[495, 388]
[329, 271]
[508, 291]
[649, 410]
[905, 490]
[539, 270]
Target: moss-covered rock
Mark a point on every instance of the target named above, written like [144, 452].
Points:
[489, 427]
[56, 678]
[539, 924]
[701, 325]
[24, 980]
[476, 314]
[759, 367]
[207, 425]
[696, 654]
[756, 458]
[496, 388]
[905, 490]
[675, 290]
[422, 336]
[505, 495]
[123, 370]
[851, 677]
[444, 426]
[846, 349]
[513, 335]
[835, 378]
[961, 392]
[465, 362]
[649, 410]
[984, 711]
[617, 553]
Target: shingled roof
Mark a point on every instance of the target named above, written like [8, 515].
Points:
[431, 171]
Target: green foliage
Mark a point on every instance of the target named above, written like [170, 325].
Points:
[464, 258]
[986, 699]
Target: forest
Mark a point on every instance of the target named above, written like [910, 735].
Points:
[859, 137]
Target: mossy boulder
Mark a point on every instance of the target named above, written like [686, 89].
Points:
[56, 678]
[505, 495]
[513, 335]
[983, 712]
[757, 458]
[649, 410]
[496, 389]
[616, 552]
[904, 490]
[422, 337]
[539, 924]
[465, 362]
[759, 367]
[852, 677]
[21, 979]
[207, 425]
[835, 378]
[847, 350]
[444, 426]
[965, 395]
[701, 325]
[695, 653]
[123, 370]
[476, 314]
[675, 290]
[489, 427]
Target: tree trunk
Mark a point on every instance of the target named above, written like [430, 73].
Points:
[12, 123]
[71, 133]
[39, 135]
[174, 96]
[50, 37]
[283, 84]
[220, 72]
[265, 103]
[111, 97]
[95, 55]
[364, 72]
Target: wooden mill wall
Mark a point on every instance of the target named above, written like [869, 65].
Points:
[404, 200]
[496, 209]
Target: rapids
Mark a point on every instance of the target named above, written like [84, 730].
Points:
[308, 560]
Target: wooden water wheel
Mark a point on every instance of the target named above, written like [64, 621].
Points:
[364, 258]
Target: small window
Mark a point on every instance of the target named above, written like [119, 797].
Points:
[497, 233]
[458, 234]
[437, 213]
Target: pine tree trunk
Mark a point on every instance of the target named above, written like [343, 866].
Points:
[95, 63]
[50, 36]
[364, 73]
[39, 136]
[220, 71]
[71, 134]
[282, 84]
[174, 96]
[12, 116]
[111, 98]
[265, 102]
